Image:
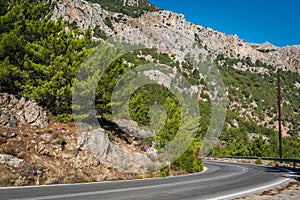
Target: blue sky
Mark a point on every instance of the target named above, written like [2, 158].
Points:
[258, 21]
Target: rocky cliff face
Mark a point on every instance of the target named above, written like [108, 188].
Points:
[38, 150]
[170, 32]
[113, 155]
[82, 13]
[15, 112]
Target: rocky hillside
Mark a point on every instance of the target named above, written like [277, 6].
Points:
[35, 149]
[15, 112]
[133, 8]
[248, 70]
[170, 32]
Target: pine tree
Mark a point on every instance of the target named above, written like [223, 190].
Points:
[39, 57]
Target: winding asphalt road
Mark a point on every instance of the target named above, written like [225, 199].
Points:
[219, 181]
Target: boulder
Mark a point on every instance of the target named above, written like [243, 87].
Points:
[7, 119]
[14, 110]
[133, 129]
[32, 112]
[113, 155]
[11, 161]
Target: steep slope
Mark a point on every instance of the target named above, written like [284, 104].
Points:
[248, 72]
[170, 33]
[35, 149]
[133, 8]
[167, 31]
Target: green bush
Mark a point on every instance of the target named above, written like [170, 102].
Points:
[61, 140]
[39, 57]
[65, 117]
[99, 33]
[190, 160]
[107, 22]
[164, 170]
[258, 161]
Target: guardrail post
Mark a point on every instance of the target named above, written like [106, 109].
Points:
[294, 165]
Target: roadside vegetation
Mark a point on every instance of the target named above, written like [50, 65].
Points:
[40, 58]
[251, 128]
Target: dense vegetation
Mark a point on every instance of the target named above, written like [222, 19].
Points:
[39, 57]
[133, 11]
[250, 128]
[141, 103]
[256, 95]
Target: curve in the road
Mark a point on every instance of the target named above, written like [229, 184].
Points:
[220, 181]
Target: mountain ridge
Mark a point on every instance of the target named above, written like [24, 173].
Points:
[170, 33]
[161, 22]
[54, 53]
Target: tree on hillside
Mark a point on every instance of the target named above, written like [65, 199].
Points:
[39, 57]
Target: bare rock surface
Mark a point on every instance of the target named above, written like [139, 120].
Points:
[82, 13]
[170, 32]
[290, 191]
[101, 148]
[11, 161]
[14, 111]
[133, 129]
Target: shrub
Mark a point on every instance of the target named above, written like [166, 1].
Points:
[65, 117]
[99, 33]
[150, 174]
[9, 150]
[258, 161]
[164, 170]
[133, 11]
[107, 22]
[61, 140]
[72, 178]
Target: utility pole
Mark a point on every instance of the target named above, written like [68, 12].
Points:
[279, 115]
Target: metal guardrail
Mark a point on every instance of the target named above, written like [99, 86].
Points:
[282, 160]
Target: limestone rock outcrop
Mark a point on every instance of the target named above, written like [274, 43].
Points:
[11, 161]
[102, 149]
[82, 13]
[170, 32]
[14, 111]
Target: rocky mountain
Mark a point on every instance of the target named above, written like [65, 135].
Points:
[37, 149]
[186, 42]
[170, 32]
[15, 112]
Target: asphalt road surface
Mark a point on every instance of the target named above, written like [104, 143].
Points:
[219, 181]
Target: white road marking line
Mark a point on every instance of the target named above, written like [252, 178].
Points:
[244, 170]
[251, 190]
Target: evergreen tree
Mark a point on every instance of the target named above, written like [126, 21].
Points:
[39, 57]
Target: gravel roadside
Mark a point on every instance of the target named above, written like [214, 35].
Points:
[289, 191]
